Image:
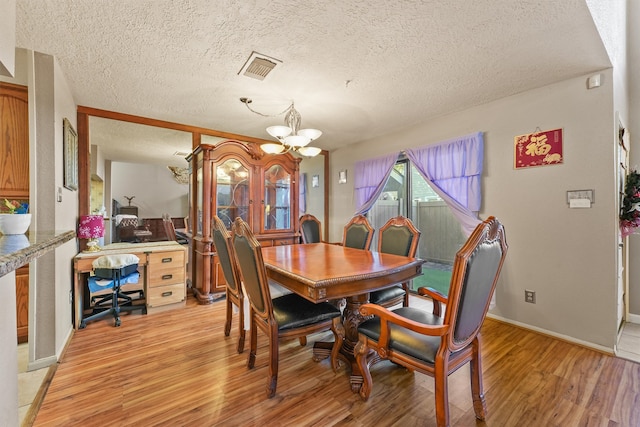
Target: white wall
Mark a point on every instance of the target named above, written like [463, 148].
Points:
[8, 352]
[50, 311]
[7, 37]
[315, 195]
[634, 127]
[50, 276]
[617, 24]
[65, 211]
[155, 190]
[566, 255]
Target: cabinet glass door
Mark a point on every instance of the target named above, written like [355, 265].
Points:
[199, 197]
[232, 191]
[277, 199]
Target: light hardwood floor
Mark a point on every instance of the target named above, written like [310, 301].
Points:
[178, 369]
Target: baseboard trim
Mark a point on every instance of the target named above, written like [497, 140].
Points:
[633, 318]
[42, 363]
[600, 348]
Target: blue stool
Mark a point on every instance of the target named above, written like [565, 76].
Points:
[112, 272]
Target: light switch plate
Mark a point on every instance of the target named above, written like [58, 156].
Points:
[580, 195]
[579, 203]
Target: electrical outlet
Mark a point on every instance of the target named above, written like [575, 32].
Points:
[530, 296]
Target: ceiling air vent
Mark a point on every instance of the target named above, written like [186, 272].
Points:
[258, 66]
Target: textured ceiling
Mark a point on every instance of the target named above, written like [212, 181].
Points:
[356, 69]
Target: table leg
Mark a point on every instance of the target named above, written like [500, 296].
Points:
[351, 318]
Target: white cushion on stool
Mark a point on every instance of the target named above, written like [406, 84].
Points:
[115, 261]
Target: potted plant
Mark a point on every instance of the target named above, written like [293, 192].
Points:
[630, 209]
[14, 218]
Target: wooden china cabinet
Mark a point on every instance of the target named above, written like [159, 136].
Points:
[237, 179]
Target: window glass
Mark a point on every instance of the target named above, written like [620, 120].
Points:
[232, 191]
[407, 193]
[277, 198]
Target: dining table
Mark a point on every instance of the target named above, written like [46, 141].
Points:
[323, 272]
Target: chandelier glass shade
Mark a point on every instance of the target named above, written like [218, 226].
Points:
[289, 135]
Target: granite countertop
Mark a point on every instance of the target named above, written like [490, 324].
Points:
[18, 250]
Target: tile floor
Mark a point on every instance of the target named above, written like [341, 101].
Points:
[629, 342]
[28, 382]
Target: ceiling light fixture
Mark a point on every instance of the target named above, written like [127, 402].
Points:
[290, 136]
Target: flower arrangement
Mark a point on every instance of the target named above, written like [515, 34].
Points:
[630, 209]
[16, 207]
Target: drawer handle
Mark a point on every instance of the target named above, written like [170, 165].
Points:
[165, 260]
[167, 276]
[167, 294]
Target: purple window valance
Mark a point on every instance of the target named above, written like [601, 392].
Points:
[370, 177]
[453, 168]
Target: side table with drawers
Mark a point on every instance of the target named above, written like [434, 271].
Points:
[162, 270]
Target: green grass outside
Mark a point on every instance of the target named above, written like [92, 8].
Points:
[436, 279]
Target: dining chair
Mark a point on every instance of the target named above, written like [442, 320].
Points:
[438, 346]
[287, 316]
[170, 230]
[398, 236]
[358, 233]
[310, 229]
[233, 288]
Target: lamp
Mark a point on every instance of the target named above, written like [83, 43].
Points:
[91, 227]
[290, 136]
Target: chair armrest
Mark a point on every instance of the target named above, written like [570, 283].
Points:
[437, 297]
[433, 294]
[387, 317]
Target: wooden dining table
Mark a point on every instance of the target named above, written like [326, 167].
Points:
[323, 272]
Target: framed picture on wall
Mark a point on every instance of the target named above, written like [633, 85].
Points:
[70, 156]
[315, 181]
[342, 177]
[539, 148]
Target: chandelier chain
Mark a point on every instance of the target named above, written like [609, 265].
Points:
[267, 115]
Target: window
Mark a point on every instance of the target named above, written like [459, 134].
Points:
[407, 193]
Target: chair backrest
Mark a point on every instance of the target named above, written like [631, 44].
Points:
[222, 242]
[169, 229]
[475, 273]
[248, 255]
[358, 233]
[399, 237]
[310, 229]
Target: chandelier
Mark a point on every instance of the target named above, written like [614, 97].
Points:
[289, 136]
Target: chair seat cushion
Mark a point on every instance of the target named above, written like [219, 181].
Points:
[419, 346]
[387, 294]
[293, 311]
[112, 272]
